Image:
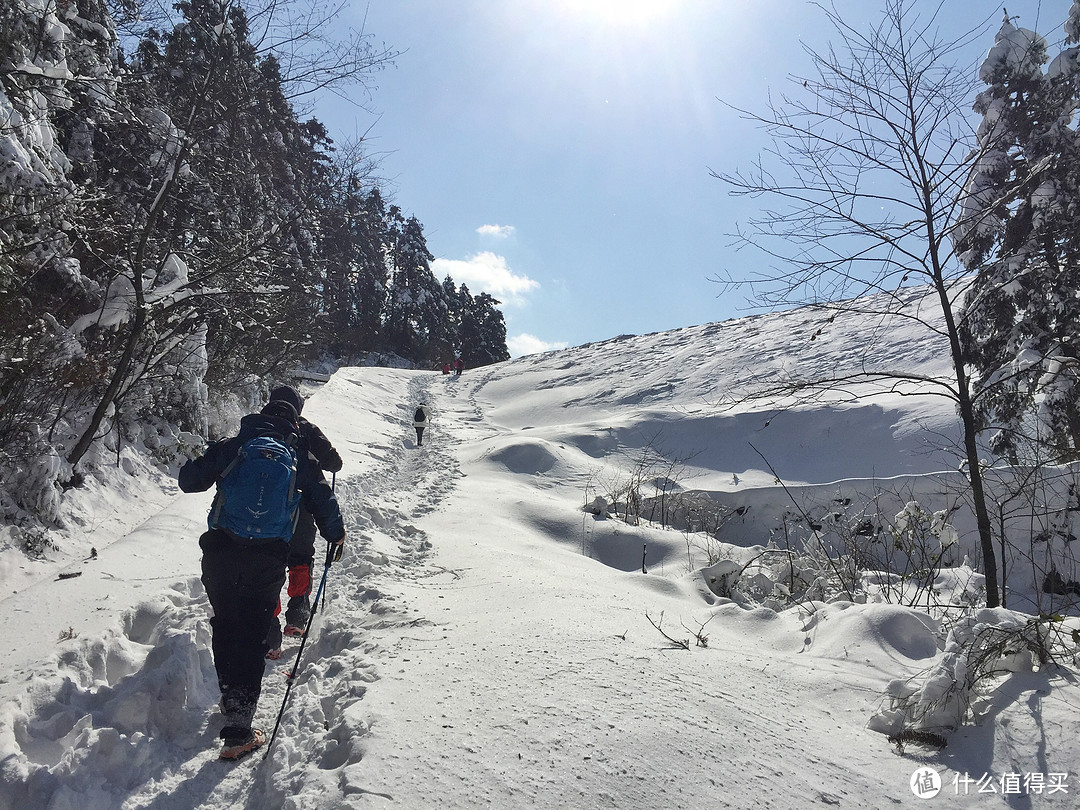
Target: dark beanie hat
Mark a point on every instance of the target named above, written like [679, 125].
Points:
[280, 409]
[287, 393]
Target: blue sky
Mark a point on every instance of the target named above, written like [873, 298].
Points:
[558, 152]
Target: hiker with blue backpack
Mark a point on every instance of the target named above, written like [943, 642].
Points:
[302, 546]
[261, 481]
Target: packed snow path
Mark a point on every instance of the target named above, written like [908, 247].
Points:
[470, 655]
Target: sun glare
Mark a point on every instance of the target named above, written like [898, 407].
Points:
[618, 12]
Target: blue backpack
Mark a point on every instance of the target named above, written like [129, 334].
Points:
[256, 494]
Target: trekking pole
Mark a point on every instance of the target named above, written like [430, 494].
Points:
[317, 606]
[303, 640]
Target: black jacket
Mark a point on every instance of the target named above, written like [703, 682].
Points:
[199, 474]
[314, 441]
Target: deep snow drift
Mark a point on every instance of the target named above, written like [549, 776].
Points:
[491, 639]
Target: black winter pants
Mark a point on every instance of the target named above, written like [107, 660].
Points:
[242, 581]
[302, 544]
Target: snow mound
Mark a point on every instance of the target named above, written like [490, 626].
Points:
[529, 457]
[876, 632]
[114, 705]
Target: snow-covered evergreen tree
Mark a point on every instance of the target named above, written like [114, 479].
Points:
[469, 328]
[417, 309]
[490, 345]
[370, 288]
[354, 251]
[482, 331]
[171, 231]
[1019, 232]
[58, 68]
[453, 316]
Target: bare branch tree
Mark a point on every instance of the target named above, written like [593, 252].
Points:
[316, 52]
[864, 179]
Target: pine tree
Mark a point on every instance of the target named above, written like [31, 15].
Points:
[483, 331]
[356, 273]
[1019, 233]
[454, 313]
[493, 330]
[417, 310]
[469, 333]
[370, 288]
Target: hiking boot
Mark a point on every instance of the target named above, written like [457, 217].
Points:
[274, 654]
[297, 615]
[237, 748]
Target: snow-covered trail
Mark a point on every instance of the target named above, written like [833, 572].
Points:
[520, 681]
[471, 655]
[386, 487]
[124, 715]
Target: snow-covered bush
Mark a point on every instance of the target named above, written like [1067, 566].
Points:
[647, 487]
[779, 578]
[982, 648]
[31, 492]
[1037, 512]
[35, 542]
[901, 563]
[841, 551]
[721, 577]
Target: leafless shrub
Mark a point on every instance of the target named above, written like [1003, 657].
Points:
[682, 644]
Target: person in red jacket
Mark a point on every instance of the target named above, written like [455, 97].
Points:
[302, 547]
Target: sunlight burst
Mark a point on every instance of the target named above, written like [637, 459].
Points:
[618, 12]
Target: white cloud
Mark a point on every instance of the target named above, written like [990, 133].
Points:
[487, 272]
[523, 344]
[497, 231]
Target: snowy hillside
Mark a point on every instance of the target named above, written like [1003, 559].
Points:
[491, 639]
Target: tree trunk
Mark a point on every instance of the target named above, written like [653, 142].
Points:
[978, 495]
[123, 366]
[971, 447]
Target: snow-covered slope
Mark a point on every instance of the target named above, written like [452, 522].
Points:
[487, 641]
